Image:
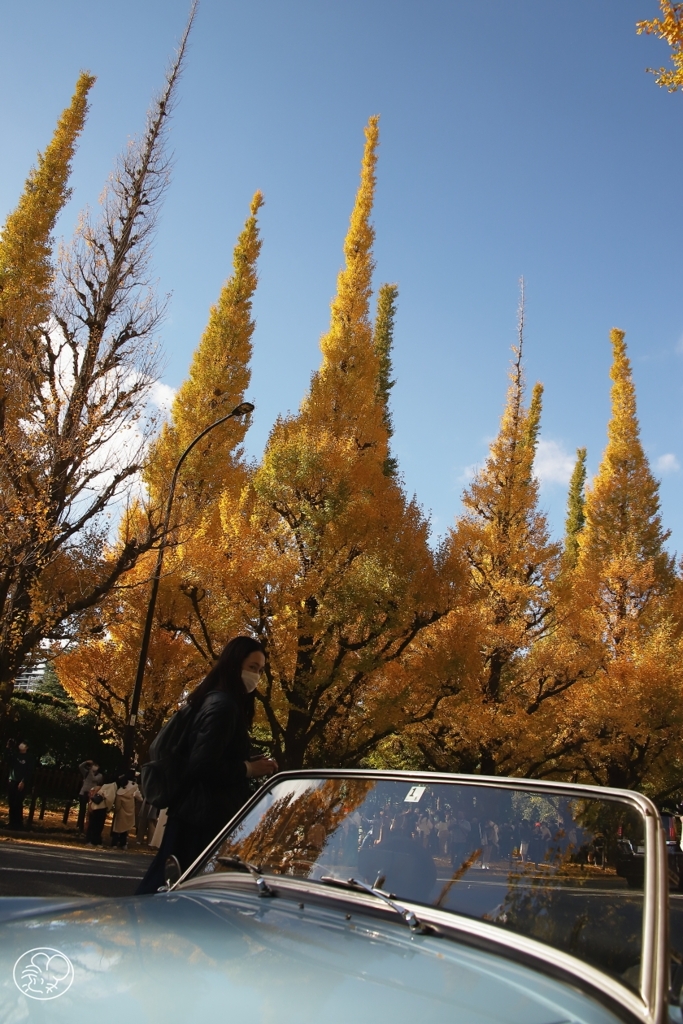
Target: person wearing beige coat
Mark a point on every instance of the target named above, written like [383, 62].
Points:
[124, 811]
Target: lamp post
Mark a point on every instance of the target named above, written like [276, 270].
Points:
[129, 732]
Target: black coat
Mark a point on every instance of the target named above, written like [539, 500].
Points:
[215, 784]
[20, 767]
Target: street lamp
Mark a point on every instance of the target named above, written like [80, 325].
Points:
[129, 732]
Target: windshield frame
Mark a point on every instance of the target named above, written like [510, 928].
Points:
[652, 1006]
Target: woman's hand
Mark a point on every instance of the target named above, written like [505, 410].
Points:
[261, 766]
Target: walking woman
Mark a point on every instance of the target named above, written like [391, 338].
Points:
[217, 760]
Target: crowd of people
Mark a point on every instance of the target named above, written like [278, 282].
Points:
[99, 795]
[455, 836]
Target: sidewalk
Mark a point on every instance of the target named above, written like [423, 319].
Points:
[52, 831]
[70, 840]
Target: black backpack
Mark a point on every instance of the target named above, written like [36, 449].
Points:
[162, 777]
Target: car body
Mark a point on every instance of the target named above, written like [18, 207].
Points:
[361, 896]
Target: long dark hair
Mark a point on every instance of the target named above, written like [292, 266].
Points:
[226, 675]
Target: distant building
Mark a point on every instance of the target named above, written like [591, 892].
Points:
[30, 677]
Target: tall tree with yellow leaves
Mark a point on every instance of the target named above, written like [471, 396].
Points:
[504, 570]
[217, 382]
[578, 674]
[505, 539]
[26, 266]
[77, 338]
[628, 711]
[332, 566]
[192, 617]
[623, 533]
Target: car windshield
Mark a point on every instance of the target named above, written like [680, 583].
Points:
[565, 871]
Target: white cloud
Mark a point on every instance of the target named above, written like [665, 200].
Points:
[469, 473]
[667, 463]
[553, 465]
[161, 395]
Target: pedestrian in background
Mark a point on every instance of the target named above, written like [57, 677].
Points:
[20, 764]
[443, 829]
[124, 810]
[489, 840]
[525, 832]
[90, 770]
[461, 836]
[424, 827]
[101, 800]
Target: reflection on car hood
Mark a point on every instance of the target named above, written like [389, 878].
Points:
[202, 955]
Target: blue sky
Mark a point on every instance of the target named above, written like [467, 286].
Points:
[519, 137]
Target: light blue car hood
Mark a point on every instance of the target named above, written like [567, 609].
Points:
[202, 956]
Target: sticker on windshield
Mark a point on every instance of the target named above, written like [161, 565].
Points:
[414, 794]
[43, 973]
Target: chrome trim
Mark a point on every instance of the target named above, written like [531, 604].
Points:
[647, 968]
[658, 996]
[652, 1006]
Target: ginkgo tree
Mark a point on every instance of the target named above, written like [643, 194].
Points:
[503, 568]
[78, 356]
[342, 579]
[566, 664]
[627, 714]
[323, 557]
[316, 550]
[498, 651]
[192, 615]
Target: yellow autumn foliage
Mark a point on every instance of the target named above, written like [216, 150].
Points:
[99, 672]
[499, 651]
[670, 28]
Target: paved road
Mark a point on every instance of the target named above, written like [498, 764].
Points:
[36, 869]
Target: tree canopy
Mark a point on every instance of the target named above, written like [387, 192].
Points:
[497, 650]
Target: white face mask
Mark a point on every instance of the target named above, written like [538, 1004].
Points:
[250, 680]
